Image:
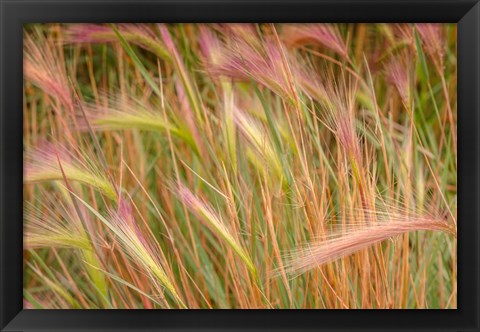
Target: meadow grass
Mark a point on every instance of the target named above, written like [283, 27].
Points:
[240, 166]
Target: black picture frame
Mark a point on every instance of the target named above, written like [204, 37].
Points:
[14, 13]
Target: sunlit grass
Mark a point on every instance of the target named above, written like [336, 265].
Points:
[240, 166]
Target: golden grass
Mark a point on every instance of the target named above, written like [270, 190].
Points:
[240, 166]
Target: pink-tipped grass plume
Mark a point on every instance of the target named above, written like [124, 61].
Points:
[42, 164]
[136, 245]
[209, 217]
[140, 35]
[398, 72]
[357, 236]
[433, 40]
[325, 35]
[43, 67]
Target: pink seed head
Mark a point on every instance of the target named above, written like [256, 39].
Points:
[325, 35]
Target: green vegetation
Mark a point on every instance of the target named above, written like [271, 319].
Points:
[240, 166]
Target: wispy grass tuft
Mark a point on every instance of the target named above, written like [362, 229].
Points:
[42, 165]
[326, 35]
[207, 215]
[357, 236]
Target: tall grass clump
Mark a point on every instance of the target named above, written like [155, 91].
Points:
[195, 166]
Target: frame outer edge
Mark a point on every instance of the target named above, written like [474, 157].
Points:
[10, 159]
[6, 317]
[3, 285]
[469, 101]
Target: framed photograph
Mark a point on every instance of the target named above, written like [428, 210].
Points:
[290, 162]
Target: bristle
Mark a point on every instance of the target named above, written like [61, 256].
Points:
[326, 35]
[398, 72]
[42, 66]
[206, 214]
[360, 237]
[432, 37]
[42, 164]
[138, 34]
